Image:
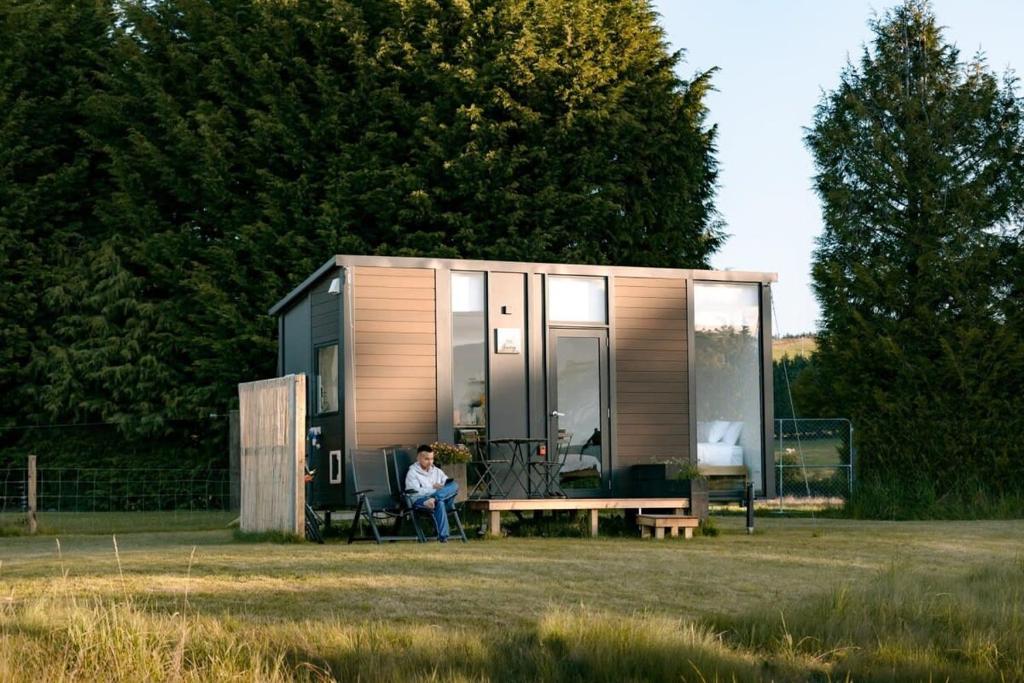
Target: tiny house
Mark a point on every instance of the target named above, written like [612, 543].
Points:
[613, 366]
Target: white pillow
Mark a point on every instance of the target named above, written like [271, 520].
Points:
[717, 430]
[732, 434]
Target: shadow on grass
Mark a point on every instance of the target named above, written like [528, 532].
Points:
[266, 537]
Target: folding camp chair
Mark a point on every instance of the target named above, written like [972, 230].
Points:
[376, 500]
[313, 525]
[401, 460]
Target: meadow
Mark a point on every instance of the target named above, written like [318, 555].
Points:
[800, 600]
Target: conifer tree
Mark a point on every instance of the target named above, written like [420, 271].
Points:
[215, 153]
[920, 169]
[50, 177]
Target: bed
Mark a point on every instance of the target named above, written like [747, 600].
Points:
[718, 443]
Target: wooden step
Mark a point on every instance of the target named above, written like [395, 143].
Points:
[671, 522]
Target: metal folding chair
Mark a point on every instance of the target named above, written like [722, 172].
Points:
[401, 459]
[376, 500]
[488, 483]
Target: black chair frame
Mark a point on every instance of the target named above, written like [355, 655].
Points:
[378, 502]
[401, 460]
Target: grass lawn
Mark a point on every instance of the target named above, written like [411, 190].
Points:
[799, 600]
[815, 452]
[119, 522]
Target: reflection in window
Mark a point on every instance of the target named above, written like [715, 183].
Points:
[469, 358]
[578, 378]
[727, 361]
[577, 299]
[327, 379]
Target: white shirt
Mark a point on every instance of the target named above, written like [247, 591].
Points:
[422, 481]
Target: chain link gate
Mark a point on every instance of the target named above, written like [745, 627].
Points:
[814, 458]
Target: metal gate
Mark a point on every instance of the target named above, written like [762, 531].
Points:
[814, 458]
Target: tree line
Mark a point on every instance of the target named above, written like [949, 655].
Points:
[919, 158]
[170, 168]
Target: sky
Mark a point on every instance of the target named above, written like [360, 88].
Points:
[775, 59]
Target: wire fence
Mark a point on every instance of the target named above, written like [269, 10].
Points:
[814, 459]
[181, 477]
[117, 490]
[102, 500]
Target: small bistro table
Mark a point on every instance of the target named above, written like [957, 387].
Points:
[520, 448]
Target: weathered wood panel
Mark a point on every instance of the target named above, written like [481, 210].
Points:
[395, 350]
[652, 397]
[272, 440]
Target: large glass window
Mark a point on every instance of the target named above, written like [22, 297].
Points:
[469, 357]
[727, 361]
[327, 379]
[577, 299]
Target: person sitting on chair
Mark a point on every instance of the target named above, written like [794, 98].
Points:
[432, 490]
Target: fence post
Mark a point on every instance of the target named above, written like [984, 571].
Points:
[32, 522]
[851, 456]
[234, 461]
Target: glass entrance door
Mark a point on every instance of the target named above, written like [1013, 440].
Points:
[578, 408]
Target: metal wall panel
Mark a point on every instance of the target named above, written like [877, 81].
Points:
[296, 340]
[508, 384]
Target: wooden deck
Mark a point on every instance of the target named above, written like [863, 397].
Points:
[495, 506]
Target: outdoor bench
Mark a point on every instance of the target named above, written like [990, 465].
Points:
[658, 524]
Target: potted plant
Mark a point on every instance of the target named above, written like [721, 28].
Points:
[452, 458]
[694, 483]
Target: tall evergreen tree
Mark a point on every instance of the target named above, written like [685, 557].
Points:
[213, 154]
[50, 176]
[920, 169]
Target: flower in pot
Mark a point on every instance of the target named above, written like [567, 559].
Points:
[452, 458]
[450, 454]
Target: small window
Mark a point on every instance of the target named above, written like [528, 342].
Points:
[327, 379]
[469, 357]
[577, 299]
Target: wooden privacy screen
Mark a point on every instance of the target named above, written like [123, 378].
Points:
[272, 422]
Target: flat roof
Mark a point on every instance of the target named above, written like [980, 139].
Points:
[342, 260]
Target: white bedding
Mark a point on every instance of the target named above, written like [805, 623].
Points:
[719, 454]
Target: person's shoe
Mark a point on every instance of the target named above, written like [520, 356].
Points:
[443, 540]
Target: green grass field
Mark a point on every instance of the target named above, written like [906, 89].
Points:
[799, 600]
[119, 522]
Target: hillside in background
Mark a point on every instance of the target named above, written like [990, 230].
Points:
[802, 345]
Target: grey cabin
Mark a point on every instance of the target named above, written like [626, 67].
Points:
[613, 366]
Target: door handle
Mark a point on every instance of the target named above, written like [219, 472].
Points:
[555, 413]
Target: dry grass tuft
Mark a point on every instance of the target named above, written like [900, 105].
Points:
[805, 600]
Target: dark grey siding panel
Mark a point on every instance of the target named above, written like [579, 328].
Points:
[296, 339]
[324, 311]
[506, 305]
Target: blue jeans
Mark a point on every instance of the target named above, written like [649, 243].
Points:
[445, 497]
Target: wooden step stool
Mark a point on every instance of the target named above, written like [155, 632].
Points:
[671, 522]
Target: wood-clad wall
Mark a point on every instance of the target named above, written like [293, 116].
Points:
[652, 394]
[395, 356]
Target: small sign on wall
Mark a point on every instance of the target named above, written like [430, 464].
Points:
[509, 340]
